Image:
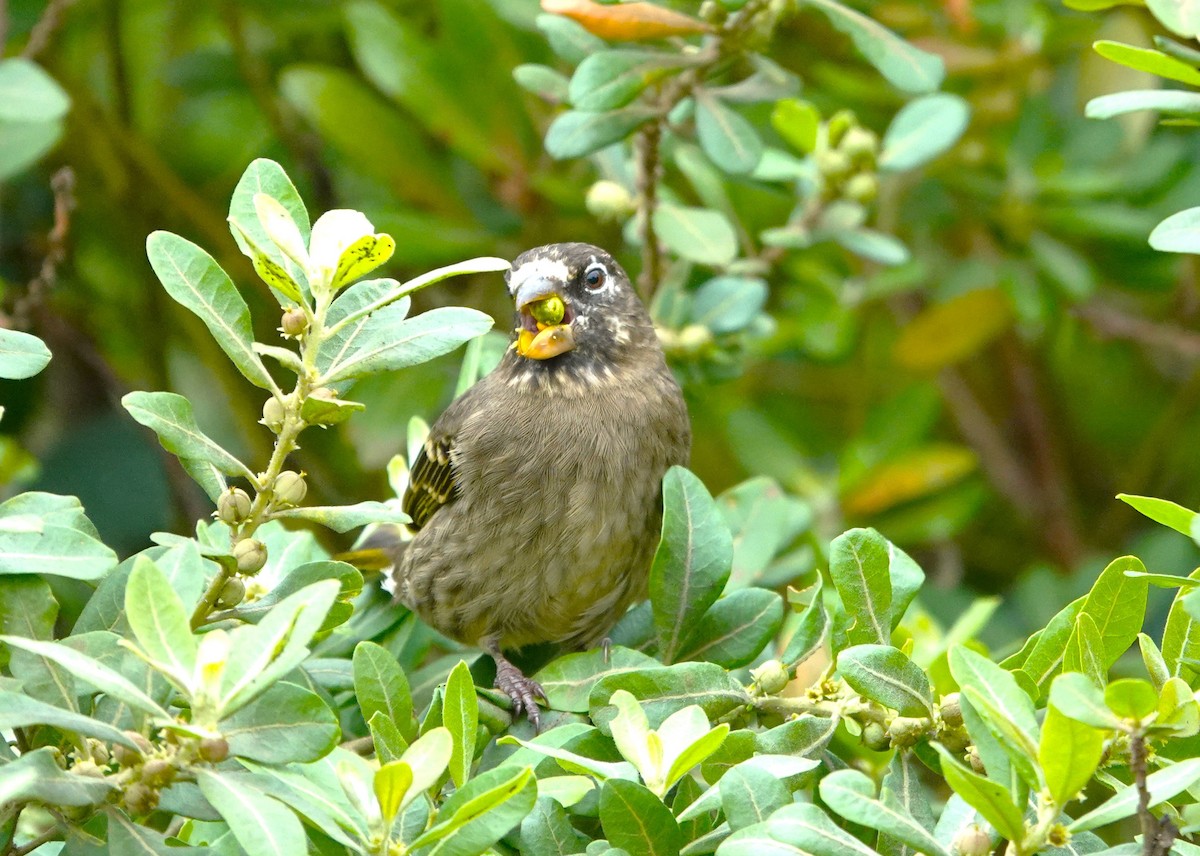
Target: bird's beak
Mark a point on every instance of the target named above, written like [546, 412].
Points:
[545, 329]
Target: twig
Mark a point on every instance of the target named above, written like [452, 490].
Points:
[1112, 322]
[649, 172]
[63, 185]
[43, 31]
[49, 835]
[3, 25]
[1157, 835]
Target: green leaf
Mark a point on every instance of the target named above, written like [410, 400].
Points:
[884, 674]
[728, 139]
[37, 777]
[1005, 707]
[460, 714]
[1181, 636]
[22, 144]
[905, 67]
[261, 824]
[391, 783]
[1162, 785]
[159, 621]
[478, 814]
[1131, 698]
[664, 690]
[343, 518]
[990, 799]
[29, 94]
[609, 79]
[696, 234]
[735, 629]
[797, 122]
[1152, 61]
[389, 742]
[810, 628]
[194, 279]
[568, 39]
[1069, 753]
[429, 755]
[807, 828]
[1152, 658]
[727, 304]
[573, 762]
[692, 562]
[547, 831]
[568, 680]
[42, 533]
[125, 836]
[18, 710]
[381, 686]
[1085, 650]
[778, 766]
[93, 672]
[21, 354]
[390, 341]
[1117, 603]
[1179, 233]
[576, 133]
[1181, 18]
[1045, 657]
[858, 564]
[567, 791]
[301, 576]
[636, 821]
[542, 81]
[805, 735]
[873, 245]
[852, 795]
[1174, 102]
[286, 724]
[170, 416]
[268, 177]
[1076, 696]
[750, 796]
[923, 129]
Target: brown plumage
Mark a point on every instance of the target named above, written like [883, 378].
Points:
[536, 499]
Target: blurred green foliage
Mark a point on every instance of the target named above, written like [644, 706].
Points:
[980, 401]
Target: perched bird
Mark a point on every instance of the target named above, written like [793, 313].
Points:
[536, 500]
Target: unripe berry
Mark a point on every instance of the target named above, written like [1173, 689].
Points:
[839, 123]
[274, 414]
[693, 338]
[157, 772]
[140, 798]
[833, 164]
[607, 200]
[214, 749]
[860, 144]
[951, 710]
[971, 841]
[234, 506]
[294, 323]
[771, 677]
[232, 593]
[862, 188]
[874, 736]
[251, 555]
[289, 488]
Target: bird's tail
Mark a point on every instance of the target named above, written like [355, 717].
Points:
[379, 552]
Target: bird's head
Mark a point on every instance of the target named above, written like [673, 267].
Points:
[574, 299]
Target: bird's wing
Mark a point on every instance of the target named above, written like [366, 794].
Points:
[431, 482]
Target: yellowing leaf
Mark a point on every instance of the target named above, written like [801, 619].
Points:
[626, 22]
[952, 331]
[913, 475]
[362, 257]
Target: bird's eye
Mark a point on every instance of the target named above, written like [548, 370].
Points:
[594, 277]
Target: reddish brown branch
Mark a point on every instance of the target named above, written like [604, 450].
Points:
[45, 28]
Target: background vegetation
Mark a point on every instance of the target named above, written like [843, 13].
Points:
[908, 283]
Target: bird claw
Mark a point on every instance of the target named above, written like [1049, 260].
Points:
[523, 691]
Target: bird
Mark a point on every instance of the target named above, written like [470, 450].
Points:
[536, 500]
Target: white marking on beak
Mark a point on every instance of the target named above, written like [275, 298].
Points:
[543, 268]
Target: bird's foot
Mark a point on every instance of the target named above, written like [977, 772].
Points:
[523, 691]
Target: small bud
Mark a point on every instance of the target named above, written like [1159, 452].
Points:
[976, 762]
[951, 710]
[158, 772]
[771, 677]
[294, 323]
[251, 555]
[971, 841]
[874, 736]
[862, 188]
[833, 164]
[860, 144]
[140, 799]
[324, 393]
[289, 488]
[1059, 836]
[232, 593]
[234, 505]
[99, 750]
[607, 200]
[694, 338]
[274, 414]
[839, 123]
[214, 749]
